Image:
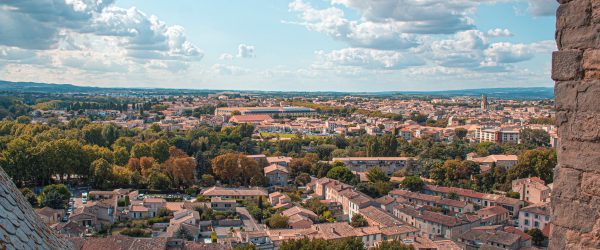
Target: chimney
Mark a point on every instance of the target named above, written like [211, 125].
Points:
[333, 230]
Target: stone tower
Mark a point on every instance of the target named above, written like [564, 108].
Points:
[484, 103]
[20, 226]
[576, 70]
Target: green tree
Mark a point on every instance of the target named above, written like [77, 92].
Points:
[535, 137]
[54, 199]
[342, 174]
[358, 221]
[277, 221]
[158, 181]
[140, 150]
[460, 133]
[377, 174]
[302, 179]
[30, 196]
[536, 162]
[413, 183]
[537, 237]
[207, 180]
[102, 173]
[183, 233]
[160, 150]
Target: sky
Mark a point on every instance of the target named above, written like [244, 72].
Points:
[295, 45]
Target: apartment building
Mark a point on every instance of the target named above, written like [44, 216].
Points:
[235, 193]
[535, 216]
[455, 206]
[499, 135]
[433, 225]
[478, 198]
[531, 190]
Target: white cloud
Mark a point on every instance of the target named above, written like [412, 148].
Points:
[245, 51]
[367, 34]
[366, 58]
[226, 56]
[99, 28]
[497, 32]
[228, 70]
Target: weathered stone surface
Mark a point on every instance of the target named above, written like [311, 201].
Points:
[591, 59]
[566, 65]
[591, 74]
[595, 11]
[579, 155]
[576, 193]
[579, 38]
[578, 95]
[581, 126]
[574, 14]
[590, 184]
[570, 214]
[567, 184]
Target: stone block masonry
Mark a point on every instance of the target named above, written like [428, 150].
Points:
[576, 70]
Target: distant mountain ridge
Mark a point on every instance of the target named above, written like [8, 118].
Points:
[500, 93]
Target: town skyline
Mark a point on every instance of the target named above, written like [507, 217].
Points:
[285, 45]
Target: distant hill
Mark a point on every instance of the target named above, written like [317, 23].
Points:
[500, 93]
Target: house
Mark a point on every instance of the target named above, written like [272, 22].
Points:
[482, 199]
[531, 190]
[277, 175]
[252, 119]
[276, 198]
[456, 206]
[391, 227]
[153, 205]
[235, 193]
[298, 221]
[535, 216]
[341, 193]
[388, 202]
[279, 160]
[495, 215]
[217, 203]
[50, 216]
[505, 161]
[493, 237]
[363, 164]
[296, 210]
[433, 225]
[138, 212]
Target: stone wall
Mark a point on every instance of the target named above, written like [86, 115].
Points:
[576, 70]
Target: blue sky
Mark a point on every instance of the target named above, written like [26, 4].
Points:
[340, 45]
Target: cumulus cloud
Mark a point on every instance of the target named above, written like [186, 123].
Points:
[245, 51]
[428, 16]
[497, 32]
[64, 25]
[366, 58]
[228, 70]
[367, 34]
[226, 56]
[542, 7]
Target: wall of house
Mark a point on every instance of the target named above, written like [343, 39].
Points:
[576, 70]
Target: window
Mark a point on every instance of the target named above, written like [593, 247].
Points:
[526, 214]
[526, 222]
[536, 224]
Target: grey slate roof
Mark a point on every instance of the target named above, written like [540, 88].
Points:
[20, 226]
